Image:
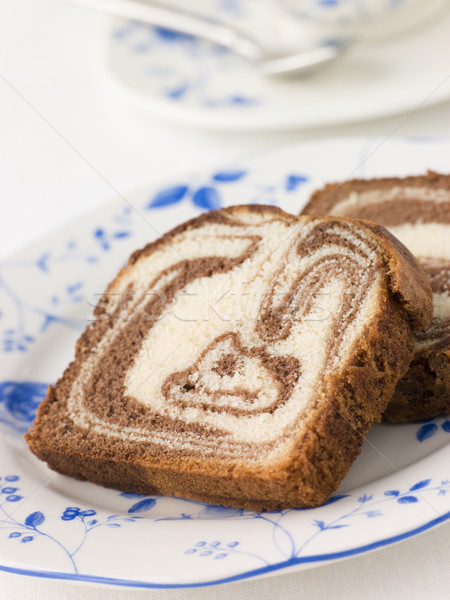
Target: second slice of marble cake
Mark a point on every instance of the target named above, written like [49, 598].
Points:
[417, 211]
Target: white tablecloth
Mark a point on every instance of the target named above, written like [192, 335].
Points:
[65, 139]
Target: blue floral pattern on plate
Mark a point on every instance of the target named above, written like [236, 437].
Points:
[175, 85]
[290, 544]
[32, 527]
[183, 68]
[19, 401]
[205, 194]
[56, 527]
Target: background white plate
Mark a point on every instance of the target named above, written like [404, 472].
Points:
[193, 82]
[53, 526]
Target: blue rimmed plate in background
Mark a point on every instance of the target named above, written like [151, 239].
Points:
[194, 82]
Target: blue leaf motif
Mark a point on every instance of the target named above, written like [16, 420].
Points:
[42, 261]
[446, 426]
[34, 519]
[13, 498]
[365, 498]
[334, 499]
[407, 499]
[211, 511]
[426, 431]
[392, 493]
[142, 505]
[178, 91]
[21, 399]
[229, 176]
[71, 289]
[293, 181]
[131, 495]
[206, 198]
[168, 196]
[241, 100]
[169, 35]
[420, 485]
[319, 524]
[329, 501]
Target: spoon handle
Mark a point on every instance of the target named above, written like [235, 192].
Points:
[178, 20]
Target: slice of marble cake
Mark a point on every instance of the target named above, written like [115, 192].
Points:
[417, 211]
[240, 359]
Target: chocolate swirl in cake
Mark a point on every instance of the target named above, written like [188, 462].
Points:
[292, 302]
[228, 351]
[417, 211]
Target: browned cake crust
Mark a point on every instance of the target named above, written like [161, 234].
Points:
[325, 440]
[424, 392]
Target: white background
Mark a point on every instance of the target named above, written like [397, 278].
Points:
[68, 142]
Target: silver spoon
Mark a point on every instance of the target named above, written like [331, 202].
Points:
[301, 62]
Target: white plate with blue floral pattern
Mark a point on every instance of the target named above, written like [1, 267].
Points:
[194, 82]
[55, 527]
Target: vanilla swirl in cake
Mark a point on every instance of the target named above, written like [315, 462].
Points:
[234, 360]
[417, 211]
